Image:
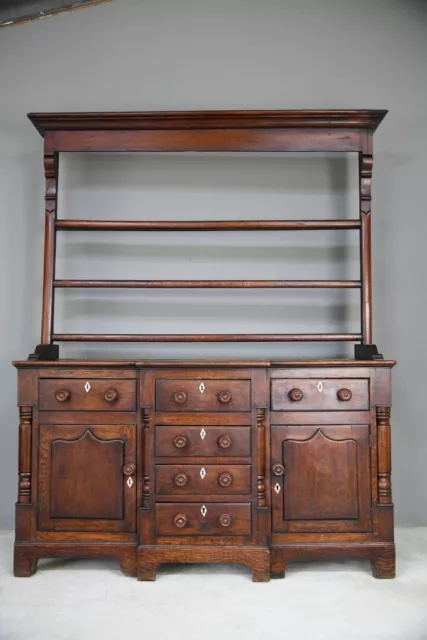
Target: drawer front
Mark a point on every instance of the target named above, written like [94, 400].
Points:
[203, 519]
[320, 394]
[203, 441]
[88, 395]
[203, 395]
[198, 479]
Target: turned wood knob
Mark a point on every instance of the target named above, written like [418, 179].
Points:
[224, 441]
[62, 395]
[180, 397]
[295, 395]
[111, 395]
[180, 520]
[278, 469]
[225, 479]
[181, 479]
[225, 519]
[224, 397]
[344, 395]
[129, 469]
[180, 442]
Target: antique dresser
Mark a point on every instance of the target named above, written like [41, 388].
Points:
[260, 462]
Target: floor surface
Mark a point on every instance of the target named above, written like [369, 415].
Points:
[88, 599]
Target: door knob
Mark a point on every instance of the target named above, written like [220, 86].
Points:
[278, 469]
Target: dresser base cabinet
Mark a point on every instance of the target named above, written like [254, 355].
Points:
[261, 464]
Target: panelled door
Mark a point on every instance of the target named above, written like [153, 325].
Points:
[87, 478]
[321, 478]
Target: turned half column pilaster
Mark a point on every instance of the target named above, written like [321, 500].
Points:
[261, 457]
[24, 462]
[384, 455]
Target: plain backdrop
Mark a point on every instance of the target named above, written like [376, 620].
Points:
[227, 54]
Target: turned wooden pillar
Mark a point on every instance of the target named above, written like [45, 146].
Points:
[24, 461]
[261, 457]
[384, 455]
[146, 484]
[51, 177]
[365, 181]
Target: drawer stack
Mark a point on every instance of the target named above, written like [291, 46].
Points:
[203, 470]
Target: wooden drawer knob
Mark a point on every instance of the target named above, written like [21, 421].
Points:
[224, 441]
[225, 519]
[224, 397]
[180, 520]
[225, 479]
[180, 397]
[62, 395]
[111, 395]
[181, 479]
[129, 469]
[278, 469]
[180, 442]
[295, 395]
[344, 395]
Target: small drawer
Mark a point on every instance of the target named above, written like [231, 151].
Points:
[87, 395]
[197, 519]
[208, 479]
[203, 395]
[304, 394]
[203, 441]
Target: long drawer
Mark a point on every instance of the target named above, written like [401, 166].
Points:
[208, 479]
[203, 441]
[327, 394]
[203, 519]
[87, 395]
[202, 395]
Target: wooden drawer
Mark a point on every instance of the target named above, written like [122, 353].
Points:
[203, 519]
[198, 479]
[203, 441]
[87, 395]
[203, 395]
[302, 394]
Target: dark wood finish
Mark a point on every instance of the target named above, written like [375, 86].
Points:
[83, 478]
[51, 178]
[363, 119]
[256, 558]
[384, 455]
[320, 394]
[98, 395]
[187, 519]
[202, 395]
[331, 464]
[322, 478]
[206, 225]
[204, 337]
[202, 480]
[254, 462]
[231, 131]
[206, 441]
[207, 284]
[24, 462]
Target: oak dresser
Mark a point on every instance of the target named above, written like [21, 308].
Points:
[259, 462]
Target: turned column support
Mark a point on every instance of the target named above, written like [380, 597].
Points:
[261, 457]
[146, 483]
[24, 461]
[384, 455]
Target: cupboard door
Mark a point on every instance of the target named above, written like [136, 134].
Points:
[87, 478]
[321, 479]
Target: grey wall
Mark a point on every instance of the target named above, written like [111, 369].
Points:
[183, 54]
